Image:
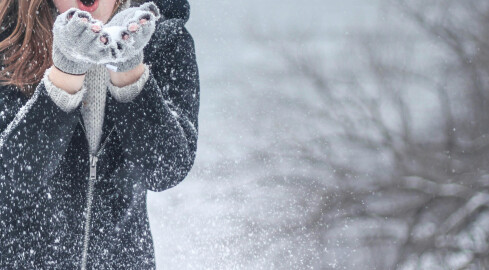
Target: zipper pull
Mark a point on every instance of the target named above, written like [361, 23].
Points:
[93, 167]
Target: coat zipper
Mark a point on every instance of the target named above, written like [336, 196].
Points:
[91, 182]
[93, 177]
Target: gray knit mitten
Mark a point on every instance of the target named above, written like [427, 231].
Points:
[129, 32]
[77, 43]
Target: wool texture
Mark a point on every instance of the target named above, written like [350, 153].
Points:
[93, 105]
[66, 101]
[131, 50]
[129, 92]
[93, 96]
[73, 38]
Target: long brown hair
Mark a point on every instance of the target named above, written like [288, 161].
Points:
[26, 53]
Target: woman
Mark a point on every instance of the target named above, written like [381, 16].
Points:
[94, 111]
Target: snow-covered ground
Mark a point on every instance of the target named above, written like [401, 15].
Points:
[230, 212]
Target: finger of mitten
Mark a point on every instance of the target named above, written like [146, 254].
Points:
[141, 15]
[80, 22]
[122, 17]
[61, 21]
[98, 49]
[65, 17]
[151, 6]
[146, 22]
[121, 42]
[115, 44]
[85, 46]
[88, 37]
[123, 45]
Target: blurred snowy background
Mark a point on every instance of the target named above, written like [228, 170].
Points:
[335, 135]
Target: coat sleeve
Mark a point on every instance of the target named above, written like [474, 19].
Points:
[159, 127]
[35, 134]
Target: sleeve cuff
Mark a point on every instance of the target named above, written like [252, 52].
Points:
[66, 101]
[129, 92]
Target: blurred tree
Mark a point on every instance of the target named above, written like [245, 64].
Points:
[394, 134]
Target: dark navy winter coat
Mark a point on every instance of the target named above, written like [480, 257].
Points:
[44, 162]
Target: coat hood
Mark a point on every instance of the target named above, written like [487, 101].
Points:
[173, 9]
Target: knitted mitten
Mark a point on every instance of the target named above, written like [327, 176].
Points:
[77, 43]
[129, 32]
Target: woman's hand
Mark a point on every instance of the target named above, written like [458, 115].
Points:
[78, 42]
[128, 33]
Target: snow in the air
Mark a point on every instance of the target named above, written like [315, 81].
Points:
[331, 135]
